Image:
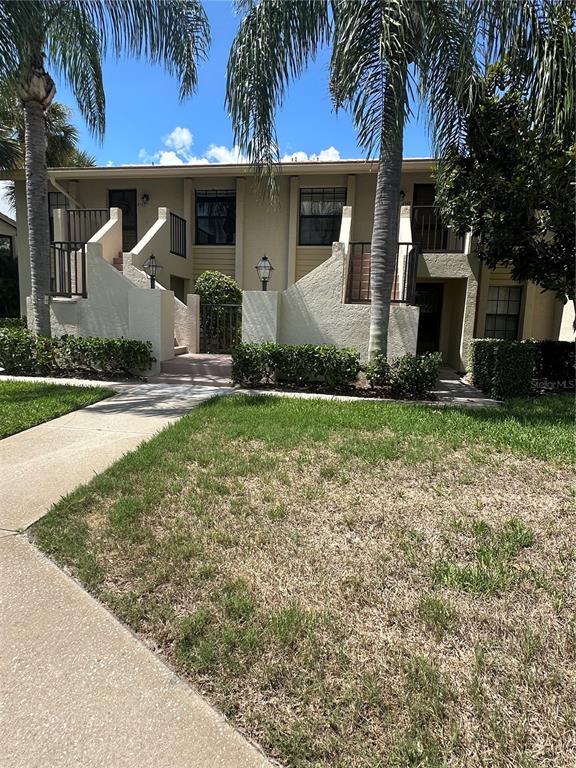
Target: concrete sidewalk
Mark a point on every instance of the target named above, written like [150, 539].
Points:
[78, 689]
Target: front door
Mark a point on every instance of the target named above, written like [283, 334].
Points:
[125, 199]
[429, 298]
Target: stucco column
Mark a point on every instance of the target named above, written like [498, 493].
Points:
[188, 208]
[483, 283]
[351, 199]
[239, 249]
[292, 230]
[260, 316]
[193, 303]
[530, 292]
[469, 317]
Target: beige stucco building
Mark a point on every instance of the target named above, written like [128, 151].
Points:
[216, 218]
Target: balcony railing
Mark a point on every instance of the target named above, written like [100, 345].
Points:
[68, 269]
[430, 233]
[358, 289]
[83, 223]
[177, 235]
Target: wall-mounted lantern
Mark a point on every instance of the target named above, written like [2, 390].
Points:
[151, 267]
[264, 269]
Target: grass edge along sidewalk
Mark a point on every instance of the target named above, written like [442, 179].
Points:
[351, 584]
[27, 404]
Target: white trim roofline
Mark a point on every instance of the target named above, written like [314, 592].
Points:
[225, 169]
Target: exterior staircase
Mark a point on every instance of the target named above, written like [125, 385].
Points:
[118, 262]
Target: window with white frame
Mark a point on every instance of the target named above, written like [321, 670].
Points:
[503, 312]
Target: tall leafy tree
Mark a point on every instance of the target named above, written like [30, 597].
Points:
[383, 52]
[72, 37]
[513, 188]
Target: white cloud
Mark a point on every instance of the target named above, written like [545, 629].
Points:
[325, 155]
[5, 206]
[180, 140]
[221, 154]
[178, 144]
[177, 150]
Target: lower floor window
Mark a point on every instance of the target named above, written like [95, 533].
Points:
[503, 312]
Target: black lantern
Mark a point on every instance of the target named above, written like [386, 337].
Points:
[264, 269]
[151, 267]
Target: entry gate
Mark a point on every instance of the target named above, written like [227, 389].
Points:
[220, 327]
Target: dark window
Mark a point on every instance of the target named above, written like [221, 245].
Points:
[321, 215]
[216, 217]
[125, 199]
[503, 312]
[56, 200]
[6, 246]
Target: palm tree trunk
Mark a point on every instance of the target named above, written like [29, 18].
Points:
[37, 209]
[384, 248]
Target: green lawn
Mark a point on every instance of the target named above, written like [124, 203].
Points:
[25, 404]
[356, 585]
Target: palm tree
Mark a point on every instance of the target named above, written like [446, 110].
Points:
[73, 36]
[61, 136]
[382, 52]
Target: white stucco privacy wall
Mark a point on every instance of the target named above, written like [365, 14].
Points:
[114, 306]
[312, 312]
[157, 241]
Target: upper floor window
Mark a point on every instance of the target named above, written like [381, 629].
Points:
[503, 312]
[56, 200]
[216, 217]
[321, 214]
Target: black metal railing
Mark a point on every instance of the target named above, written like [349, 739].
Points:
[358, 289]
[220, 327]
[177, 235]
[68, 269]
[431, 233]
[83, 223]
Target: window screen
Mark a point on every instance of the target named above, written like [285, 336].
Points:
[321, 215]
[216, 217]
[503, 312]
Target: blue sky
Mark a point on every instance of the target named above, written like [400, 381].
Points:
[146, 123]
[143, 111]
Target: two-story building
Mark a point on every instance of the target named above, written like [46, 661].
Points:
[215, 218]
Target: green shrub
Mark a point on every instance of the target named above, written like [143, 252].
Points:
[12, 322]
[216, 288]
[251, 365]
[502, 368]
[411, 376]
[298, 364]
[378, 371]
[555, 362]
[22, 352]
[414, 375]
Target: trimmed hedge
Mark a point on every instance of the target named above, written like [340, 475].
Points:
[22, 352]
[410, 376]
[555, 362]
[299, 364]
[216, 288]
[12, 322]
[502, 368]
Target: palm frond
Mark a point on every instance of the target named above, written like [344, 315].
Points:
[174, 33]
[274, 43]
[373, 50]
[447, 70]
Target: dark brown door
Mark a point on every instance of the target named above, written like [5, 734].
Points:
[125, 199]
[429, 298]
